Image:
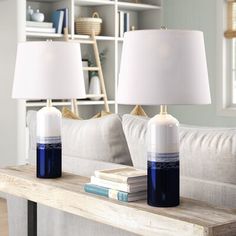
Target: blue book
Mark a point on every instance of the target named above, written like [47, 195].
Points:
[66, 18]
[57, 20]
[114, 194]
[126, 22]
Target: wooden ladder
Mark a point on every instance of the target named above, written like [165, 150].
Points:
[92, 41]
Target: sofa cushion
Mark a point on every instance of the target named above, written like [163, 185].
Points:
[207, 153]
[100, 139]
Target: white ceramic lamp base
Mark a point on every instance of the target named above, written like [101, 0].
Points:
[163, 161]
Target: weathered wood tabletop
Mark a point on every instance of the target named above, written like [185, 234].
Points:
[67, 194]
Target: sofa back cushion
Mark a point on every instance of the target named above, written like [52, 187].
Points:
[100, 139]
[208, 153]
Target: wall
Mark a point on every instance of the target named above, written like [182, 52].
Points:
[8, 106]
[198, 15]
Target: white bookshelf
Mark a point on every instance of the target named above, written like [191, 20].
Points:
[143, 15]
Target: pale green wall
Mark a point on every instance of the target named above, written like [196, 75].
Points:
[8, 114]
[198, 15]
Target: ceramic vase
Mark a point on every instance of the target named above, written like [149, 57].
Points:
[37, 16]
[95, 88]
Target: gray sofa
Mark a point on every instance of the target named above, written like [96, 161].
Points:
[208, 164]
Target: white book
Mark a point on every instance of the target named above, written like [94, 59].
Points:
[129, 188]
[127, 175]
[40, 30]
[121, 24]
[39, 24]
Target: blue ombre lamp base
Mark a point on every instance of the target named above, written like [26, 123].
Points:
[49, 160]
[49, 147]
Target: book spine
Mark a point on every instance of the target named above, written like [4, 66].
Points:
[118, 23]
[105, 192]
[39, 24]
[40, 30]
[101, 191]
[121, 23]
[125, 22]
[60, 25]
[128, 22]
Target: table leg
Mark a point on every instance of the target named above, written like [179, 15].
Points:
[32, 218]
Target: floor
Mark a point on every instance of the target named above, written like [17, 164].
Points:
[3, 218]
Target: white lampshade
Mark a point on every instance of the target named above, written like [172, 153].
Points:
[162, 67]
[48, 70]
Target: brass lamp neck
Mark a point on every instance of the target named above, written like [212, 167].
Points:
[163, 110]
[49, 103]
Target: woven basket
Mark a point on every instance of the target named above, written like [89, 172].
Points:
[88, 25]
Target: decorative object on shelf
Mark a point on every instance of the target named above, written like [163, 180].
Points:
[172, 71]
[133, 28]
[29, 13]
[138, 111]
[94, 84]
[86, 75]
[95, 88]
[88, 25]
[55, 73]
[37, 16]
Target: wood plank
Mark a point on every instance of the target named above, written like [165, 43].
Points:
[91, 68]
[66, 194]
[3, 218]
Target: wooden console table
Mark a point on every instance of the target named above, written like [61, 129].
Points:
[66, 194]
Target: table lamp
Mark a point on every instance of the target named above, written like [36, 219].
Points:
[48, 70]
[163, 67]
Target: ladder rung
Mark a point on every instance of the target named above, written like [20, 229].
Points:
[86, 41]
[91, 68]
[95, 95]
[81, 41]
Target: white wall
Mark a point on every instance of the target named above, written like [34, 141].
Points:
[8, 106]
[198, 15]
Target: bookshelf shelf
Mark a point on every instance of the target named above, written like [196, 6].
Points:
[136, 6]
[45, 1]
[94, 3]
[68, 103]
[43, 35]
[101, 38]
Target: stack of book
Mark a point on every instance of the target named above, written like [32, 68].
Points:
[60, 20]
[125, 184]
[40, 27]
[124, 22]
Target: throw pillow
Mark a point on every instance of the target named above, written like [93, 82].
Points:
[67, 113]
[138, 111]
[100, 139]
[101, 114]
